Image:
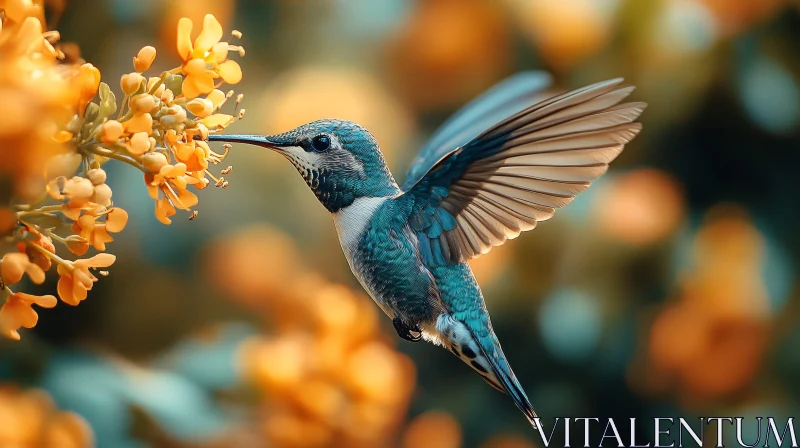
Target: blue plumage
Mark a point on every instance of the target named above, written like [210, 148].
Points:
[501, 165]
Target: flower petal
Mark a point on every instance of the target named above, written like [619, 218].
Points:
[211, 34]
[196, 85]
[187, 198]
[217, 121]
[35, 273]
[79, 288]
[164, 210]
[230, 72]
[46, 301]
[220, 52]
[98, 261]
[140, 123]
[13, 267]
[200, 107]
[65, 290]
[194, 67]
[216, 97]
[116, 220]
[184, 38]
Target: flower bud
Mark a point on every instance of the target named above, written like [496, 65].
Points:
[97, 176]
[174, 83]
[102, 195]
[167, 96]
[178, 113]
[154, 161]
[151, 82]
[111, 131]
[142, 103]
[140, 143]
[78, 188]
[144, 59]
[130, 83]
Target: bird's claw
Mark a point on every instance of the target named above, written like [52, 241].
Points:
[409, 333]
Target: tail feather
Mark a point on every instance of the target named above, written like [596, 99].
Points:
[484, 355]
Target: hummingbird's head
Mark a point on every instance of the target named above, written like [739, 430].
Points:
[339, 160]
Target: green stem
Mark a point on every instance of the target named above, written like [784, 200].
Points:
[97, 150]
[122, 106]
[54, 236]
[52, 256]
[39, 211]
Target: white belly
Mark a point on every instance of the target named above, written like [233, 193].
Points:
[351, 222]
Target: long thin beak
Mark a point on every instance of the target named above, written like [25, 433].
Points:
[257, 140]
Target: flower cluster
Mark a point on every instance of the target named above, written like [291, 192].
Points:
[710, 341]
[30, 418]
[327, 374]
[334, 381]
[61, 124]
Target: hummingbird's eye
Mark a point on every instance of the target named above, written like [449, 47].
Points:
[321, 143]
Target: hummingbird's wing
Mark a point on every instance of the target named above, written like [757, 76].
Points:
[519, 171]
[493, 106]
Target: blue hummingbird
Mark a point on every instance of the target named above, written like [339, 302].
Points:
[500, 165]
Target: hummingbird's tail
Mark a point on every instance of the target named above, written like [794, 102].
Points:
[480, 349]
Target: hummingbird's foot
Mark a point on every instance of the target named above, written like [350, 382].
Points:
[409, 333]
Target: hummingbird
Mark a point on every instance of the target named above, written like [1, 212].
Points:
[496, 168]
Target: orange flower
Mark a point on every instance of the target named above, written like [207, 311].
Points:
[34, 255]
[14, 265]
[76, 279]
[206, 59]
[97, 234]
[172, 181]
[30, 418]
[83, 194]
[194, 154]
[18, 312]
[78, 190]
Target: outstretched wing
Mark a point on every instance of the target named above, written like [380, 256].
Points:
[495, 105]
[519, 171]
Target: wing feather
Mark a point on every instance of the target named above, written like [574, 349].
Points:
[519, 171]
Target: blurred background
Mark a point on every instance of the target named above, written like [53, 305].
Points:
[667, 289]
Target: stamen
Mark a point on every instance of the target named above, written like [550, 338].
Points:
[213, 177]
[169, 193]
